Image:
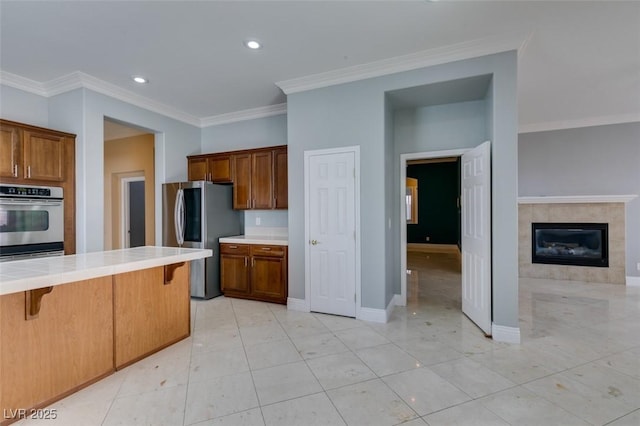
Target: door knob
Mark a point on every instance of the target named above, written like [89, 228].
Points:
[313, 242]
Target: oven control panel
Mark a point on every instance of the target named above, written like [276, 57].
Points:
[30, 191]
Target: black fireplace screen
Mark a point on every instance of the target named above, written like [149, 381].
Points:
[581, 244]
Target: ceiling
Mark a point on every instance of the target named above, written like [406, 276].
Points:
[579, 65]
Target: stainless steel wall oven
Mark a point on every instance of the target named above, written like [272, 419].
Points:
[31, 221]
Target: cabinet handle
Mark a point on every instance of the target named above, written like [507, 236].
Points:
[253, 203]
[15, 170]
[253, 262]
[29, 172]
[245, 262]
[247, 203]
[266, 248]
[233, 247]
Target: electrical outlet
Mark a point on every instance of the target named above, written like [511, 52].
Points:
[428, 239]
[638, 266]
[258, 221]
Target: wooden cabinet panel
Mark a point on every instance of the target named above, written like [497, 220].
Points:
[234, 274]
[149, 314]
[220, 169]
[280, 179]
[68, 346]
[241, 181]
[43, 156]
[268, 277]
[253, 271]
[9, 152]
[197, 169]
[262, 180]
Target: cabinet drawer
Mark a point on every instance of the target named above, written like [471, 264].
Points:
[261, 250]
[241, 249]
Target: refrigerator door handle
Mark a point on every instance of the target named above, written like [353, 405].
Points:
[178, 215]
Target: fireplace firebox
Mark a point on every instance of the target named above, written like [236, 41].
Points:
[578, 244]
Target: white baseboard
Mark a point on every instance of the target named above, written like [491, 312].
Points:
[633, 281]
[297, 305]
[501, 333]
[397, 300]
[377, 315]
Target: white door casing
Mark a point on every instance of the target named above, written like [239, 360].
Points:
[331, 231]
[476, 235]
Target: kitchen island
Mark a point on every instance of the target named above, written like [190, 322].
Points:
[68, 321]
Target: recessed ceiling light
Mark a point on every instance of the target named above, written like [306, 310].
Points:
[253, 44]
[140, 79]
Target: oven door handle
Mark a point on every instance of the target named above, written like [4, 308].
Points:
[30, 202]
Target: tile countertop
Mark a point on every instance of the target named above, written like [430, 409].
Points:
[273, 240]
[28, 274]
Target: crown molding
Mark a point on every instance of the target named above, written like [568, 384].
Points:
[247, 114]
[425, 58]
[22, 83]
[582, 122]
[77, 80]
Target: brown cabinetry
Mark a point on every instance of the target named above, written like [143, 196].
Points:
[214, 168]
[259, 176]
[254, 271]
[33, 155]
[151, 311]
[67, 346]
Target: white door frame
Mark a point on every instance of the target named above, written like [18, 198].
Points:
[124, 208]
[307, 281]
[402, 300]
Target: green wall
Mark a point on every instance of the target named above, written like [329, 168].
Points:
[438, 188]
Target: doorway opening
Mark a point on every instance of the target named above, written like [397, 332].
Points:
[475, 230]
[132, 211]
[129, 186]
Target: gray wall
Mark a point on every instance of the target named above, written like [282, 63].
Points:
[599, 160]
[17, 105]
[355, 114]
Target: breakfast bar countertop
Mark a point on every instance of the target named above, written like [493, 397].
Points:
[29, 274]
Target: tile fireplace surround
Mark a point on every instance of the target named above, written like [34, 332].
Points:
[612, 213]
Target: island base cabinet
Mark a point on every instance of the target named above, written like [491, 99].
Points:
[151, 311]
[67, 346]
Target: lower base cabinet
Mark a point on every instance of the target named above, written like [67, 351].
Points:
[84, 331]
[253, 271]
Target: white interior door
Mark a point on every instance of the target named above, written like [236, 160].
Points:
[331, 232]
[476, 235]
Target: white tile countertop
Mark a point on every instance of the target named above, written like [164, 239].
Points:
[274, 240]
[29, 274]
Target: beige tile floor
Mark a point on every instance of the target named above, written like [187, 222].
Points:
[251, 363]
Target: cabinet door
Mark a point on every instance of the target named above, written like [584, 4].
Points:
[220, 168]
[197, 169]
[234, 274]
[149, 314]
[280, 179]
[43, 156]
[262, 180]
[9, 151]
[268, 278]
[241, 181]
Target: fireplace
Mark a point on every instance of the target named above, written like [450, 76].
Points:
[580, 244]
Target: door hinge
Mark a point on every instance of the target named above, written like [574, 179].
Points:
[354, 235]
[354, 297]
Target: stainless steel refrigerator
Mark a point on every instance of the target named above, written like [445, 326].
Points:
[194, 215]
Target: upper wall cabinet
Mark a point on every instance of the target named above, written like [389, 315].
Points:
[259, 176]
[212, 167]
[32, 153]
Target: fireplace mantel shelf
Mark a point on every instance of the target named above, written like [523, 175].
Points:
[561, 199]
